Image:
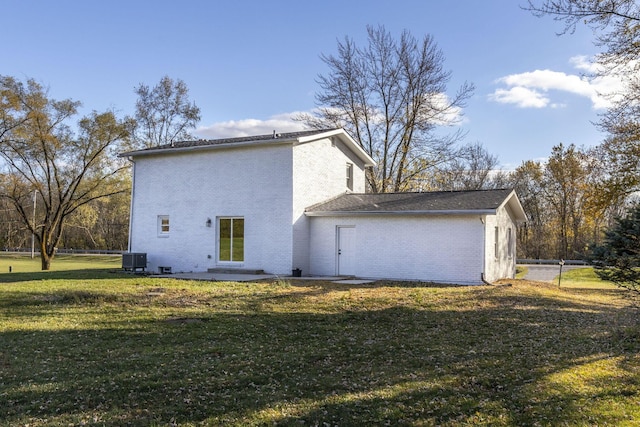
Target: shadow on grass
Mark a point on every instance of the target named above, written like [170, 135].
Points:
[490, 366]
[95, 273]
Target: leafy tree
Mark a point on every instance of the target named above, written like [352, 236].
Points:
[618, 258]
[12, 232]
[164, 113]
[567, 203]
[564, 180]
[101, 224]
[64, 167]
[390, 96]
[532, 235]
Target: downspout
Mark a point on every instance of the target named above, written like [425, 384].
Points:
[483, 220]
[133, 186]
[484, 281]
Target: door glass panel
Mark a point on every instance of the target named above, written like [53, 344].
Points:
[238, 240]
[225, 240]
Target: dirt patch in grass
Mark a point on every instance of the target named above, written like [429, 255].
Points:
[184, 320]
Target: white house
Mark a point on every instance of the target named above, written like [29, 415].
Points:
[297, 201]
[464, 237]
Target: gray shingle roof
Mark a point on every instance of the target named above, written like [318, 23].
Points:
[440, 201]
[256, 141]
[241, 139]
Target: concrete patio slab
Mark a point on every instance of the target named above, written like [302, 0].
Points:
[353, 281]
[237, 277]
[218, 277]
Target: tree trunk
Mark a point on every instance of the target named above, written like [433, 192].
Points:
[45, 261]
[45, 256]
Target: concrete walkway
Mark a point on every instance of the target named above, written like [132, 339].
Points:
[218, 277]
[229, 277]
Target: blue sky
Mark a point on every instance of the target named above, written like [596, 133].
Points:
[250, 64]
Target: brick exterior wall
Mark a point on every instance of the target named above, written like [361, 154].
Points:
[253, 183]
[502, 266]
[268, 185]
[446, 249]
[319, 173]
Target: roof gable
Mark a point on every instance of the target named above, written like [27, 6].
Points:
[439, 202]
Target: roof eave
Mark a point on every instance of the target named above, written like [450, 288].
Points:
[516, 207]
[148, 152]
[465, 212]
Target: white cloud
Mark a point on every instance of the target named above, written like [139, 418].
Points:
[582, 62]
[534, 89]
[281, 123]
[520, 96]
[447, 116]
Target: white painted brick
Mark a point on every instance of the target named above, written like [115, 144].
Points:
[319, 173]
[503, 266]
[435, 248]
[270, 186]
[192, 187]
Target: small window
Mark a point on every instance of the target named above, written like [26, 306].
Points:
[163, 225]
[496, 248]
[350, 176]
[509, 243]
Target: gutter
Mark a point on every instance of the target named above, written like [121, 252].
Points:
[401, 213]
[191, 148]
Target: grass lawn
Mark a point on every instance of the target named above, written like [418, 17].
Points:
[131, 350]
[22, 263]
[583, 278]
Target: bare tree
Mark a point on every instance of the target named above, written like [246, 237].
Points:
[164, 113]
[45, 158]
[616, 26]
[610, 18]
[390, 96]
[473, 168]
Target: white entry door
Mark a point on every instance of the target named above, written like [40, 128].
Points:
[346, 251]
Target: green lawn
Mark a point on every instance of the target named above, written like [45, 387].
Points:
[583, 278]
[133, 350]
[22, 263]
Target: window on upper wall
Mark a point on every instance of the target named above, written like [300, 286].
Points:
[509, 243]
[231, 239]
[163, 225]
[350, 176]
[496, 248]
